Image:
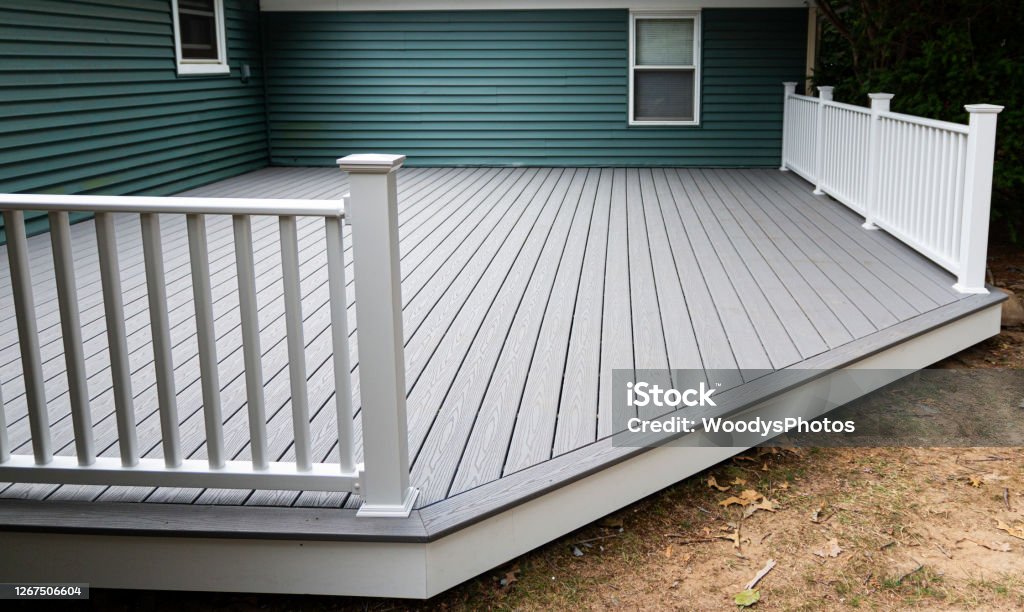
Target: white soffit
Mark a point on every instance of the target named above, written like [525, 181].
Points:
[455, 5]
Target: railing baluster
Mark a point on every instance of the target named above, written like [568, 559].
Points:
[71, 333]
[156, 290]
[110, 279]
[296, 341]
[788, 87]
[207, 337]
[249, 311]
[28, 335]
[5, 446]
[339, 336]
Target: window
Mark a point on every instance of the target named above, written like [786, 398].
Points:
[664, 69]
[199, 37]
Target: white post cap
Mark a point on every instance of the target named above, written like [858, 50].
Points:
[984, 108]
[788, 84]
[371, 163]
[825, 91]
[880, 96]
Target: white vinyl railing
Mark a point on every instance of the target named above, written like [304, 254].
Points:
[383, 478]
[926, 182]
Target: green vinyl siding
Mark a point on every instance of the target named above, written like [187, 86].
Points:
[90, 101]
[517, 88]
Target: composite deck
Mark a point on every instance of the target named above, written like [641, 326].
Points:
[523, 289]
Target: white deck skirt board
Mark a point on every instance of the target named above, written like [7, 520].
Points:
[523, 289]
[453, 554]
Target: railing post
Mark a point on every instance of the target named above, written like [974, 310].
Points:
[824, 94]
[789, 88]
[879, 104]
[373, 214]
[981, 147]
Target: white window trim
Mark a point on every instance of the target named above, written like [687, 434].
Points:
[695, 15]
[189, 67]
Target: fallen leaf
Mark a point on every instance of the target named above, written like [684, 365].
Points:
[784, 486]
[576, 552]
[750, 495]
[714, 484]
[738, 481]
[1016, 531]
[668, 552]
[816, 515]
[764, 467]
[747, 598]
[831, 550]
[733, 537]
[725, 503]
[765, 504]
[976, 482]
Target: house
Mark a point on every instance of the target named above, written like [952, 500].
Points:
[574, 192]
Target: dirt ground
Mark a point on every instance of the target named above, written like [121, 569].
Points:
[871, 528]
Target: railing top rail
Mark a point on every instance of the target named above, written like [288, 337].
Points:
[172, 205]
[932, 123]
[849, 107]
[805, 98]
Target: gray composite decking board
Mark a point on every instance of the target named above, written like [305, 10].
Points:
[496, 187]
[848, 274]
[649, 349]
[682, 349]
[509, 271]
[496, 194]
[712, 340]
[616, 317]
[458, 278]
[522, 290]
[900, 264]
[775, 337]
[576, 419]
[499, 324]
[794, 317]
[322, 420]
[746, 345]
[843, 321]
[534, 426]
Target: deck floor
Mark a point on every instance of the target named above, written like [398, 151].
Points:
[523, 289]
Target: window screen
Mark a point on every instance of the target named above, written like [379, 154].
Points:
[197, 22]
[664, 69]
[663, 95]
[664, 42]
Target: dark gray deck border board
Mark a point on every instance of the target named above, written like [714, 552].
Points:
[449, 516]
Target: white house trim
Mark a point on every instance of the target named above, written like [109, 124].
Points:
[194, 67]
[697, 43]
[454, 5]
